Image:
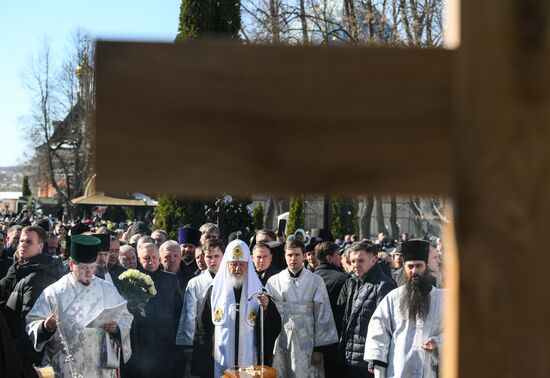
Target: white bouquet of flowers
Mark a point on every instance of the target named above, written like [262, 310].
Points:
[137, 288]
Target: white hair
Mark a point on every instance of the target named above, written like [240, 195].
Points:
[126, 248]
[145, 246]
[168, 245]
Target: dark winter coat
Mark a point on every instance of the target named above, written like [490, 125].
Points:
[5, 263]
[114, 272]
[11, 365]
[359, 298]
[19, 291]
[334, 279]
[154, 336]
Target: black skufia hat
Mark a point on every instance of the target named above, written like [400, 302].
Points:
[415, 249]
[79, 228]
[322, 234]
[105, 242]
[84, 248]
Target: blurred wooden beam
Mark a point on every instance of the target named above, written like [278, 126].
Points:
[502, 93]
[221, 117]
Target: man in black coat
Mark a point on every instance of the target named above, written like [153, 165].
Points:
[170, 259]
[329, 268]
[360, 295]
[262, 257]
[23, 284]
[154, 335]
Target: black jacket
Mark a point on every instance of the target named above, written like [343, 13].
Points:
[19, 291]
[154, 336]
[359, 298]
[11, 365]
[267, 274]
[114, 272]
[5, 262]
[334, 279]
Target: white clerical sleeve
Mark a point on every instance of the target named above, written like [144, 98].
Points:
[186, 328]
[124, 321]
[435, 354]
[35, 318]
[379, 333]
[325, 327]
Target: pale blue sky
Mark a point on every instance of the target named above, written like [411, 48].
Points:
[24, 24]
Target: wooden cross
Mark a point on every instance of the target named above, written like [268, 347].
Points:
[473, 124]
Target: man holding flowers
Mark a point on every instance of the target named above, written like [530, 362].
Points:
[154, 333]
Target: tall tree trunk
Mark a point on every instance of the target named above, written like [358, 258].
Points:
[416, 208]
[303, 20]
[380, 216]
[406, 24]
[395, 229]
[351, 18]
[365, 217]
[274, 16]
[365, 222]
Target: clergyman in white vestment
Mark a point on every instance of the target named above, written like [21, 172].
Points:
[405, 331]
[80, 318]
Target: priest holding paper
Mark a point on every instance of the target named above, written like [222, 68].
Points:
[80, 321]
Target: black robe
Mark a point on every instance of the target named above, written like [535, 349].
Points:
[203, 359]
[184, 276]
[153, 336]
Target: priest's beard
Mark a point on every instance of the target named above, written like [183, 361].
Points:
[236, 282]
[100, 271]
[415, 302]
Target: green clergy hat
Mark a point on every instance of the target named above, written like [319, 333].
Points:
[84, 248]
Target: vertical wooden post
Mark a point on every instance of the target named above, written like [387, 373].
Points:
[503, 167]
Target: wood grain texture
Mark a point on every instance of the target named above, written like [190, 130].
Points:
[503, 171]
[221, 117]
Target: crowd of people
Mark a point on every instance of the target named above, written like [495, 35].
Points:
[305, 305]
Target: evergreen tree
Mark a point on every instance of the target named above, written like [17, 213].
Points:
[200, 18]
[169, 215]
[227, 18]
[195, 19]
[258, 217]
[26, 188]
[343, 216]
[296, 214]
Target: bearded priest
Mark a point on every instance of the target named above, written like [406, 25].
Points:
[228, 324]
[405, 331]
